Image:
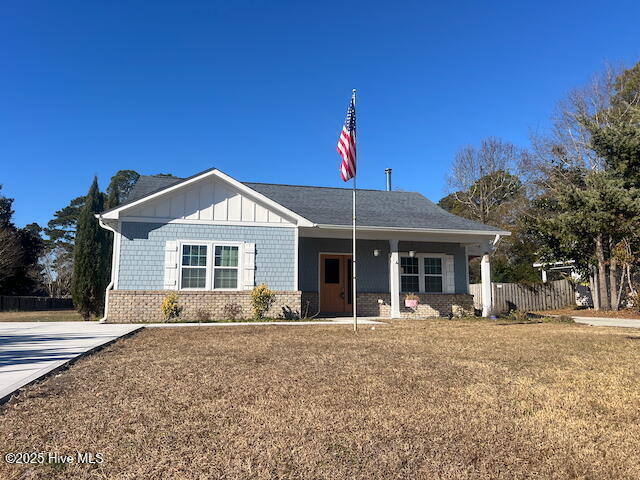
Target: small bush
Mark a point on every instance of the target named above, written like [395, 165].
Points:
[170, 307]
[232, 311]
[289, 314]
[519, 316]
[261, 300]
[203, 315]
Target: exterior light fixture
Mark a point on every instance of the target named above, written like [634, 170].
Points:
[412, 253]
[376, 253]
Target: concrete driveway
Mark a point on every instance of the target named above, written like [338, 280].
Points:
[29, 350]
[608, 322]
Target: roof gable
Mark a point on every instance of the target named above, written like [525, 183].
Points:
[209, 196]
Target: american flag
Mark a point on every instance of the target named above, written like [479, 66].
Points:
[347, 143]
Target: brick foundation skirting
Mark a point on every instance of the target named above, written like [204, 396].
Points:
[133, 306]
[379, 305]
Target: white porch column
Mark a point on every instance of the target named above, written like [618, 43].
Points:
[485, 273]
[394, 278]
[544, 276]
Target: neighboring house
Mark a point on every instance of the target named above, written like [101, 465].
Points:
[211, 239]
[568, 268]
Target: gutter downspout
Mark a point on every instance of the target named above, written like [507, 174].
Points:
[113, 270]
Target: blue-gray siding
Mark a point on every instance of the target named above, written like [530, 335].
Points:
[143, 244]
[455, 249]
[373, 272]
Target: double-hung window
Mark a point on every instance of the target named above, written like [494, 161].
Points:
[409, 274]
[432, 274]
[194, 267]
[225, 267]
[210, 266]
[421, 273]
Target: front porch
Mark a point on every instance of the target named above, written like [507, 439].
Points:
[432, 266]
[378, 305]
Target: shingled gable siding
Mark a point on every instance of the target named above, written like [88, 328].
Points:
[143, 244]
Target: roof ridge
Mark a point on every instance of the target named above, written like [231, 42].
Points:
[332, 188]
[160, 175]
[173, 177]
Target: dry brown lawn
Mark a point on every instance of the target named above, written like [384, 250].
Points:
[41, 316]
[415, 400]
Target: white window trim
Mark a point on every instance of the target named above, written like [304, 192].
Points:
[406, 255]
[180, 266]
[210, 267]
[421, 272]
[237, 268]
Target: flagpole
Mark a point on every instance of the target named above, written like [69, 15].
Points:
[353, 258]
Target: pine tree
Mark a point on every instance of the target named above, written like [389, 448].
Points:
[120, 187]
[90, 267]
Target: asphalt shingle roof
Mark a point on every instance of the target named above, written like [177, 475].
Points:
[379, 208]
[332, 206]
[147, 184]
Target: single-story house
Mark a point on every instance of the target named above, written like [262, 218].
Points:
[211, 239]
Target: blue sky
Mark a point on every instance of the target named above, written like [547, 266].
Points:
[259, 89]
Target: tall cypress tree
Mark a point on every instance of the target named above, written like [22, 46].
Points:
[90, 267]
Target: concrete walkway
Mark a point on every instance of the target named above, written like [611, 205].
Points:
[29, 350]
[608, 322]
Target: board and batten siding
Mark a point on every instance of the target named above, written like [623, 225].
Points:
[142, 251]
[209, 199]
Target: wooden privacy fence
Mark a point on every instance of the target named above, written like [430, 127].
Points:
[27, 304]
[514, 296]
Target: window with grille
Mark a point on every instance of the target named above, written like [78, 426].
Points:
[409, 274]
[432, 275]
[225, 270]
[421, 273]
[194, 266]
[209, 266]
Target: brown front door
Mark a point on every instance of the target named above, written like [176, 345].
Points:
[335, 283]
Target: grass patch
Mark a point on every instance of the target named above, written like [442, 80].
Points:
[424, 399]
[41, 316]
[518, 318]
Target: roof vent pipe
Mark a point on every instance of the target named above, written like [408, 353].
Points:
[387, 172]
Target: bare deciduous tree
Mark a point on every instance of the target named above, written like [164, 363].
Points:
[567, 144]
[57, 269]
[482, 179]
